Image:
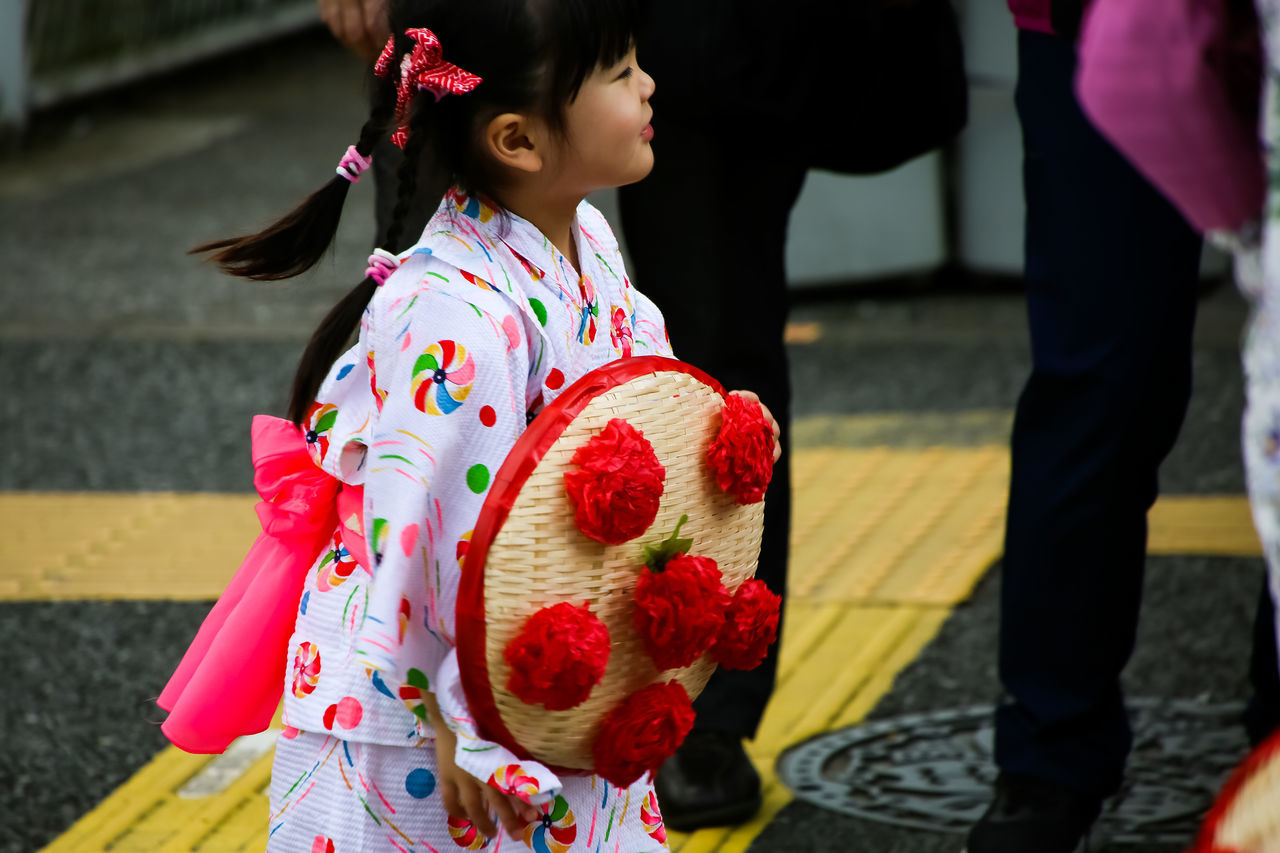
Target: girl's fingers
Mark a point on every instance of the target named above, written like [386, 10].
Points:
[477, 808]
[449, 794]
[506, 807]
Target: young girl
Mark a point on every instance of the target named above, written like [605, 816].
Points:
[515, 289]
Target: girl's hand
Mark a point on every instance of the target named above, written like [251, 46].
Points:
[768, 416]
[467, 797]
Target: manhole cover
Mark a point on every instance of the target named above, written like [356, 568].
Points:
[934, 771]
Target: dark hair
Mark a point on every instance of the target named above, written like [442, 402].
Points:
[531, 55]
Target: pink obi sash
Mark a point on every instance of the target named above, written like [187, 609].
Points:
[231, 678]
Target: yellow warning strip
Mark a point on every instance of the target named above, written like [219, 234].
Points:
[871, 525]
[103, 545]
[1208, 524]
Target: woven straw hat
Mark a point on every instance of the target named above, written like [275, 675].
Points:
[528, 553]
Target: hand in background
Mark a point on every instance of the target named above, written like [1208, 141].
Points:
[361, 25]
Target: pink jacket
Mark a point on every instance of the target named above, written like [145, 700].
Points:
[1031, 14]
[1175, 89]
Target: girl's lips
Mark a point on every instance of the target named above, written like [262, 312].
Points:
[647, 133]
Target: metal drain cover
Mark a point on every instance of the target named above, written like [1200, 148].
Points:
[934, 771]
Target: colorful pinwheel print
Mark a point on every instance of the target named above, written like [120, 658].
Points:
[320, 420]
[620, 333]
[511, 779]
[306, 669]
[414, 692]
[554, 831]
[442, 378]
[651, 819]
[588, 311]
[336, 565]
[465, 835]
[471, 206]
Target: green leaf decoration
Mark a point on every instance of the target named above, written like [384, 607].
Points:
[417, 678]
[656, 557]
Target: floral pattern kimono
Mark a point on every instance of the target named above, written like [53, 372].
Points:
[483, 323]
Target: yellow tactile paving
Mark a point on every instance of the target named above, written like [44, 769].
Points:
[886, 540]
[892, 525]
[1211, 524]
[151, 813]
[122, 546]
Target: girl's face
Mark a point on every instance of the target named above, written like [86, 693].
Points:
[607, 130]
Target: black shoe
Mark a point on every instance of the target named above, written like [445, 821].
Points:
[1033, 816]
[708, 782]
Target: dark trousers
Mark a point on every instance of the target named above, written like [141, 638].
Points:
[707, 232]
[1111, 271]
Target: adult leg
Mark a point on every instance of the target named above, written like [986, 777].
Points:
[1111, 274]
[707, 234]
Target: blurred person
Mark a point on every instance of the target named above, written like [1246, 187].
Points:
[1190, 91]
[751, 101]
[360, 25]
[351, 588]
[1111, 273]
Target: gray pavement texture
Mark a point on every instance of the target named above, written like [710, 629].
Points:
[128, 365]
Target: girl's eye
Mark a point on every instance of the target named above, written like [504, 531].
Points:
[627, 72]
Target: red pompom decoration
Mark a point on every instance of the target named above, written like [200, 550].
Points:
[558, 657]
[642, 732]
[680, 609]
[617, 486]
[741, 454]
[750, 627]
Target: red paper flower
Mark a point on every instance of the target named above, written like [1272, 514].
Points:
[750, 627]
[558, 656]
[617, 486]
[741, 454]
[680, 609]
[642, 732]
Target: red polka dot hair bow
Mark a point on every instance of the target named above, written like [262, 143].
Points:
[423, 67]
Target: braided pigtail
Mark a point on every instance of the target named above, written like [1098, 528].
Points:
[335, 330]
[298, 240]
[407, 179]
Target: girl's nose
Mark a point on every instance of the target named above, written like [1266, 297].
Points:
[646, 84]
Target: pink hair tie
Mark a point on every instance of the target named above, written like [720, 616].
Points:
[352, 164]
[381, 264]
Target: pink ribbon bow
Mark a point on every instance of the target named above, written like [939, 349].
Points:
[230, 679]
[423, 67]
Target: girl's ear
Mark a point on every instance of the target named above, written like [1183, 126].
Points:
[512, 140]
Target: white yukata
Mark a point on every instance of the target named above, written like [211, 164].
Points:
[483, 324]
[1257, 265]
